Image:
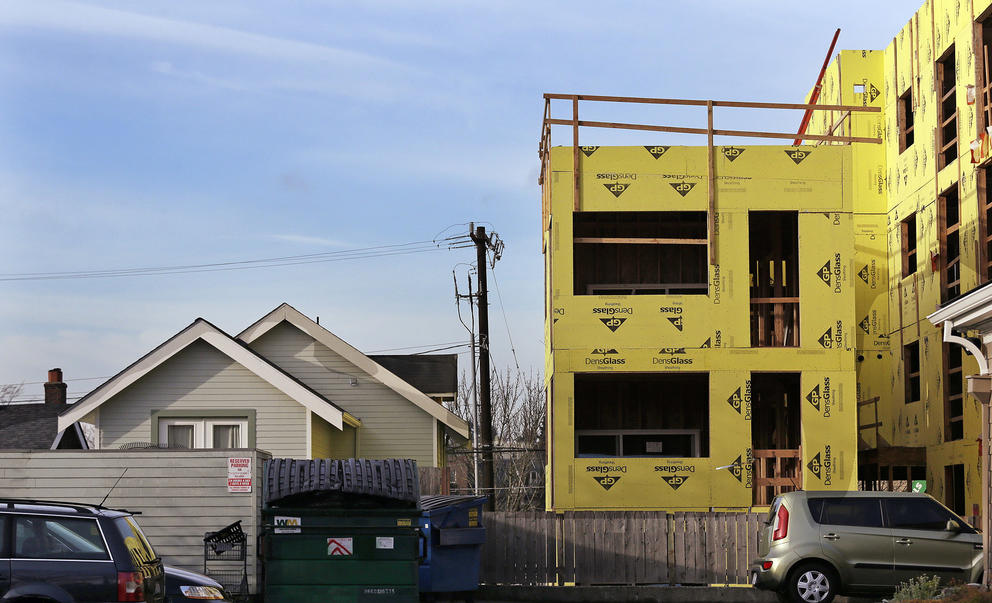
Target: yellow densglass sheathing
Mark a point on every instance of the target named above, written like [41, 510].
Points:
[711, 333]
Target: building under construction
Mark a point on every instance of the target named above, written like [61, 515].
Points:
[726, 321]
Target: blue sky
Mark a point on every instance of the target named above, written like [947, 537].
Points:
[158, 133]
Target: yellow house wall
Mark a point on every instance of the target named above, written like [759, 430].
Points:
[708, 333]
[897, 307]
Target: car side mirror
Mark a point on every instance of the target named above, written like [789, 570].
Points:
[952, 526]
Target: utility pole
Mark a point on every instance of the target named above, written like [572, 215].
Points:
[485, 426]
[475, 396]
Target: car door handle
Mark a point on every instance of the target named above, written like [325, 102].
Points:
[905, 541]
[831, 536]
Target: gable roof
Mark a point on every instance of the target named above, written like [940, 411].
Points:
[433, 374]
[237, 351]
[288, 313]
[29, 426]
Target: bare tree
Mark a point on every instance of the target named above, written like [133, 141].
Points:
[8, 392]
[518, 438]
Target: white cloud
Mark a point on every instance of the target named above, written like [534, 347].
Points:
[91, 20]
[307, 240]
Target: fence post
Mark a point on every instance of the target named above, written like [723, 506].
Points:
[559, 527]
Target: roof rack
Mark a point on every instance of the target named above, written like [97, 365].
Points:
[61, 503]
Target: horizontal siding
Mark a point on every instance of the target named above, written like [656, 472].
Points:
[201, 377]
[392, 426]
[181, 494]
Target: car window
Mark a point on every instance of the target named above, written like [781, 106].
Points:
[3, 537]
[919, 514]
[815, 508]
[863, 512]
[138, 547]
[38, 537]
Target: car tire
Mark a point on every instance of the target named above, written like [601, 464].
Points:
[812, 583]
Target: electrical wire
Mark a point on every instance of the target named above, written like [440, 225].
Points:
[499, 296]
[294, 260]
[415, 347]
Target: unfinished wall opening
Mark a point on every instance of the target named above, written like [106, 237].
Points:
[905, 118]
[642, 415]
[953, 393]
[640, 253]
[954, 488]
[888, 477]
[774, 272]
[983, 38]
[908, 232]
[949, 214]
[911, 367]
[947, 110]
[985, 225]
[775, 434]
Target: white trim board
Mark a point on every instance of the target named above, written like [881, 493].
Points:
[222, 342]
[285, 312]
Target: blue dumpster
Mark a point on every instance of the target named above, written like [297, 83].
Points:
[453, 537]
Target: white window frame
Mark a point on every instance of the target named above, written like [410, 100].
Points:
[203, 430]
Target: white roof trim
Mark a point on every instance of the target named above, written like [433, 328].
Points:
[288, 313]
[79, 434]
[967, 312]
[201, 329]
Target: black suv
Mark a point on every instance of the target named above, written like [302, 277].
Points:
[68, 553]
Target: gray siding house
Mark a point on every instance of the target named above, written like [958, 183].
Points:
[285, 385]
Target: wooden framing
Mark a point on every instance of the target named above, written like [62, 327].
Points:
[947, 109]
[907, 231]
[862, 443]
[775, 275]
[953, 385]
[776, 470]
[949, 240]
[904, 115]
[544, 146]
[911, 360]
[984, 237]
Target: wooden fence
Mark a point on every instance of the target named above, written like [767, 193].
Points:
[619, 547]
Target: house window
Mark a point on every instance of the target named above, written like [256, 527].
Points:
[947, 110]
[953, 393]
[984, 33]
[905, 117]
[227, 432]
[774, 273]
[911, 365]
[642, 415]
[950, 244]
[640, 253]
[908, 227]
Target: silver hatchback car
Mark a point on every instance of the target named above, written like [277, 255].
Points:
[816, 545]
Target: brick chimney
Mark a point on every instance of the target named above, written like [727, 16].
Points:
[55, 389]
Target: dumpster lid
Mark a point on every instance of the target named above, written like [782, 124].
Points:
[431, 503]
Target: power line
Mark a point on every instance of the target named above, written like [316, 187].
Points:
[293, 260]
[499, 296]
[414, 347]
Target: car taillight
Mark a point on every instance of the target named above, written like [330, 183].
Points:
[781, 527]
[130, 586]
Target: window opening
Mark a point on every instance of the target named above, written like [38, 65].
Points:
[985, 210]
[911, 366]
[775, 434]
[642, 415]
[908, 227]
[905, 116]
[985, 38]
[950, 244]
[954, 488]
[774, 267]
[953, 393]
[947, 110]
[640, 253]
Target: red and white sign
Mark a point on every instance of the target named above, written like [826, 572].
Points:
[239, 474]
[340, 547]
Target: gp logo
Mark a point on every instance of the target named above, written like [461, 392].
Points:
[732, 153]
[657, 151]
[675, 481]
[827, 339]
[588, 151]
[676, 322]
[682, 188]
[798, 155]
[815, 466]
[613, 323]
[617, 188]
[607, 481]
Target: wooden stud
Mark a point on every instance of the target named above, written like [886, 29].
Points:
[711, 184]
[575, 151]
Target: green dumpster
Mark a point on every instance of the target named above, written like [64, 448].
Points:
[323, 543]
